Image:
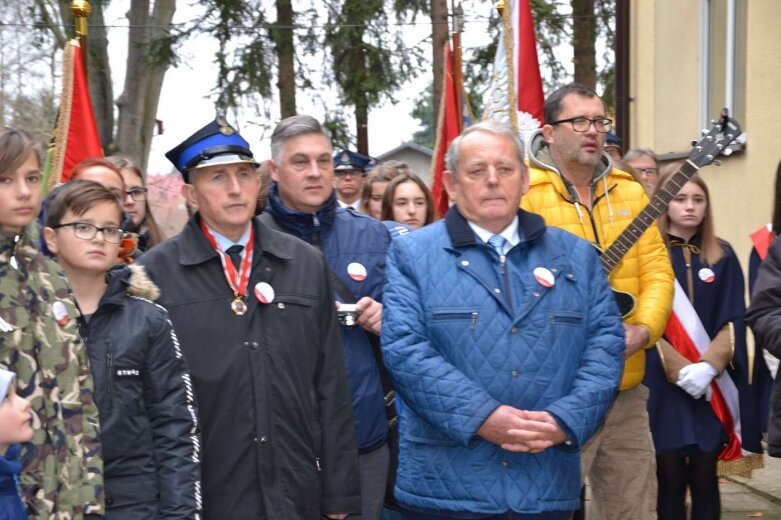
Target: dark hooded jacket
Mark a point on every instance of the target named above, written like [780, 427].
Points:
[150, 434]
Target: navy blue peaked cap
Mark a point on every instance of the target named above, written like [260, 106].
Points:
[348, 160]
[215, 143]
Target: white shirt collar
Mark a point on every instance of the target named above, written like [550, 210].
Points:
[511, 234]
[224, 242]
[356, 204]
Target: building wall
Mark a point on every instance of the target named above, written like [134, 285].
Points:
[419, 163]
[664, 82]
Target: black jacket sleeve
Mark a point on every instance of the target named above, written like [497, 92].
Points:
[172, 411]
[764, 314]
[341, 489]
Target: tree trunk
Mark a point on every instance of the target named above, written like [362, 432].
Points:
[283, 39]
[144, 78]
[439, 37]
[583, 42]
[99, 77]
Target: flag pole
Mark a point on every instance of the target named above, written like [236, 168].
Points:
[458, 73]
[80, 9]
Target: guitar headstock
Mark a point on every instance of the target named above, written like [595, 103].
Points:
[716, 141]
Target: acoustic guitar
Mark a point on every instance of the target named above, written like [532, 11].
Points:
[705, 151]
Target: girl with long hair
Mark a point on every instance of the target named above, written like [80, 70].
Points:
[688, 434]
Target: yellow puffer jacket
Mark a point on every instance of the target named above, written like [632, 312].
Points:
[644, 272]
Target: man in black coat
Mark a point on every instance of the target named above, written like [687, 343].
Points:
[258, 328]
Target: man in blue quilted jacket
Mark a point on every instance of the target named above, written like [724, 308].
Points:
[504, 344]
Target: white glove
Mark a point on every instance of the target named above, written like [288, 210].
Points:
[695, 379]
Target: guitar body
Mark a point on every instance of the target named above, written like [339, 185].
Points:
[626, 303]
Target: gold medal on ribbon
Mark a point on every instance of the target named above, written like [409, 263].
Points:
[238, 306]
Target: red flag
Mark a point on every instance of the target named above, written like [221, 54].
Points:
[447, 130]
[527, 70]
[76, 135]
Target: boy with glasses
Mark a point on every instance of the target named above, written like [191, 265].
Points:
[150, 434]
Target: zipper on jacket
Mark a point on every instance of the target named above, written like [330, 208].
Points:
[317, 464]
[473, 322]
[505, 281]
[110, 374]
[316, 241]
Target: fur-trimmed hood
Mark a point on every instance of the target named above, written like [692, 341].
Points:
[130, 280]
[140, 284]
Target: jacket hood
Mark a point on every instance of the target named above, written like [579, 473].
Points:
[132, 280]
[302, 225]
[539, 157]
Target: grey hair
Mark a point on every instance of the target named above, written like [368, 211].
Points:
[636, 153]
[488, 127]
[295, 126]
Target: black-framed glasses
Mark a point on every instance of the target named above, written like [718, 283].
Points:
[85, 231]
[647, 171]
[582, 124]
[137, 194]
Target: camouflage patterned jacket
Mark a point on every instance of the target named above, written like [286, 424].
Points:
[62, 477]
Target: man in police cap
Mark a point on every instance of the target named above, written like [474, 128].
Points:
[258, 327]
[350, 168]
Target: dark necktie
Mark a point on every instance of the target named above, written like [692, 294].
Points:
[234, 252]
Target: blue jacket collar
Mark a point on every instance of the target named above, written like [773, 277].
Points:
[301, 225]
[461, 234]
[9, 463]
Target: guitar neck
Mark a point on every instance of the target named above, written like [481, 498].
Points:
[658, 205]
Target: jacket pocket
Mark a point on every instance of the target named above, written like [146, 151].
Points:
[459, 317]
[134, 489]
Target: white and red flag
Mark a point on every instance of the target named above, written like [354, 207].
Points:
[515, 96]
[687, 335]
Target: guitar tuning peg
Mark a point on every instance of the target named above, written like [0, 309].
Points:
[704, 131]
[727, 151]
[717, 162]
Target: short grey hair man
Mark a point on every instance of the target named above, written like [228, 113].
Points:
[489, 127]
[295, 126]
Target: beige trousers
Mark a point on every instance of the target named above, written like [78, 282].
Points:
[620, 462]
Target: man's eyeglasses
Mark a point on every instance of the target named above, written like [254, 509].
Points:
[137, 194]
[582, 124]
[648, 171]
[85, 231]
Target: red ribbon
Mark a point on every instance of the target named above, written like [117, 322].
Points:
[681, 341]
[237, 281]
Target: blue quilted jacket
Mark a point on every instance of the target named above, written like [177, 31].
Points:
[461, 335]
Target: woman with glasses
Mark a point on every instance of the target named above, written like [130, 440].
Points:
[136, 202]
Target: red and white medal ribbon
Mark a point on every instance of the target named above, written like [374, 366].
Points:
[237, 281]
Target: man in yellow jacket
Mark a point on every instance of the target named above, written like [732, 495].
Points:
[574, 186]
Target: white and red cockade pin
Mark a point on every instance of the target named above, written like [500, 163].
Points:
[544, 277]
[356, 271]
[60, 313]
[707, 275]
[264, 292]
